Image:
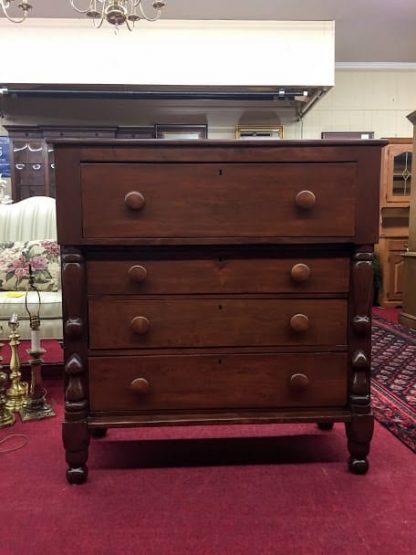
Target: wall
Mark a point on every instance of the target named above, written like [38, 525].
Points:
[376, 101]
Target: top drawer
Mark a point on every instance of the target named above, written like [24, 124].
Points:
[191, 200]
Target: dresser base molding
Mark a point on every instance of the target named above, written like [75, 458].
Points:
[198, 419]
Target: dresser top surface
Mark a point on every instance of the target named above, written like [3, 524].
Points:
[206, 143]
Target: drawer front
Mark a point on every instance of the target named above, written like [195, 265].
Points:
[219, 275]
[399, 245]
[218, 200]
[196, 322]
[217, 381]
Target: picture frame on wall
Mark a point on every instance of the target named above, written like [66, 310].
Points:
[181, 131]
[261, 132]
[352, 135]
[5, 170]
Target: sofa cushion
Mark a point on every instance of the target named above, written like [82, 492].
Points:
[50, 313]
[14, 302]
[42, 256]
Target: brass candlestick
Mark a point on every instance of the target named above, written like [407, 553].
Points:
[36, 407]
[16, 395]
[6, 417]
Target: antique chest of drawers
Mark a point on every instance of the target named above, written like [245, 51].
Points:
[216, 282]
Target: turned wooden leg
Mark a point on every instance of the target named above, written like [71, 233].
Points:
[359, 433]
[360, 429]
[98, 432]
[76, 440]
[326, 426]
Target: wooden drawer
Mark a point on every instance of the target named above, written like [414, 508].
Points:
[398, 245]
[218, 200]
[219, 275]
[217, 381]
[201, 322]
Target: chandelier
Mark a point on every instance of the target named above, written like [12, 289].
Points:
[24, 6]
[118, 12]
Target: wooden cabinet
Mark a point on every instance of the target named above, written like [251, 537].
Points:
[397, 176]
[408, 313]
[390, 252]
[395, 190]
[32, 157]
[216, 282]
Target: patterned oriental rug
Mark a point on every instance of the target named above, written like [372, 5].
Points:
[394, 379]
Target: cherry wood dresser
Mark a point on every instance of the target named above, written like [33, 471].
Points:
[210, 282]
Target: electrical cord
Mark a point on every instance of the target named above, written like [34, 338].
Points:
[24, 441]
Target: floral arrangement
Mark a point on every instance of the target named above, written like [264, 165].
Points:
[42, 256]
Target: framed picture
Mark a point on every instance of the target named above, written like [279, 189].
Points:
[179, 131]
[353, 135]
[259, 132]
[4, 156]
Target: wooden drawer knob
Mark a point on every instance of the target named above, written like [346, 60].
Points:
[299, 382]
[140, 325]
[140, 386]
[300, 272]
[137, 273]
[134, 200]
[299, 323]
[305, 200]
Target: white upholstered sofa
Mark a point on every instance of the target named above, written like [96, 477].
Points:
[31, 219]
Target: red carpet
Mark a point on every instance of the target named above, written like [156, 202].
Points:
[391, 314]
[394, 378]
[289, 494]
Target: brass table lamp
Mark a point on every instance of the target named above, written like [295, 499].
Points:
[36, 407]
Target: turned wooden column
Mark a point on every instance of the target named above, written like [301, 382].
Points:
[360, 429]
[407, 316]
[75, 429]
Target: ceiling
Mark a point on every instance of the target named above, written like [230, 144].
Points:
[366, 30]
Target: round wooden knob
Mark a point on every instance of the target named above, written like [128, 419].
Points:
[134, 200]
[300, 272]
[299, 382]
[137, 273]
[140, 325]
[305, 200]
[299, 323]
[140, 386]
